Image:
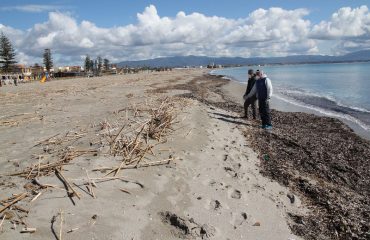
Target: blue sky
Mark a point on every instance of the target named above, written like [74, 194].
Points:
[109, 13]
[130, 30]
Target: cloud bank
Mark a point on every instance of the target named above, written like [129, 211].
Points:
[33, 8]
[264, 32]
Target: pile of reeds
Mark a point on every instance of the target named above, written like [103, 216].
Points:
[161, 120]
[133, 141]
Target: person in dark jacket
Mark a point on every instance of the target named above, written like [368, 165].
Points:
[251, 101]
[263, 89]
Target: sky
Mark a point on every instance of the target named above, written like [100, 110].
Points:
[136, 30]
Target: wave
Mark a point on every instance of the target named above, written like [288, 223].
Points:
[326, 105]
[324, 101]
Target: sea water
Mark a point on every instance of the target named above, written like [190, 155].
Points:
[340, 90]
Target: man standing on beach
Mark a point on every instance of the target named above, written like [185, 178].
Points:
[263, 89]
[251, 101]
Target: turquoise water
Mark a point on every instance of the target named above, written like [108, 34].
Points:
[339, 90]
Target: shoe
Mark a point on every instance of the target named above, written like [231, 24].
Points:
[263, 126]
[268, 127]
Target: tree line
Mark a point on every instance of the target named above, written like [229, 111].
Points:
[7, 56]
[96, 66]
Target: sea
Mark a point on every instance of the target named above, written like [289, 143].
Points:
[340, 90]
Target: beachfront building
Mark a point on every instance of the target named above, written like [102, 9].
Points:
[68, 71]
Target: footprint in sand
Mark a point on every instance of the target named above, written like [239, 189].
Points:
[215, 205]
[231, 172]
[236, 194]
[238, 219]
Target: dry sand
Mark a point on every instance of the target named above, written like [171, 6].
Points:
[214, 190]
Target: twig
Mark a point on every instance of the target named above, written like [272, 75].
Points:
[1, 223]
[91, 190]
[28, 230]
[115, 138]
[125, 191]
[61, 224]
[67, 184]
[72, 230]
[45, 140]
[38, 195]
[160, 162]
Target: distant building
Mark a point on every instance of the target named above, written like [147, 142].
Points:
[70, 69]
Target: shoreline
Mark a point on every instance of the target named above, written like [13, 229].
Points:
[322, 159]
[230, 179]
[282, 104]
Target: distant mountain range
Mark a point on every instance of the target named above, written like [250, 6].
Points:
[183, 61]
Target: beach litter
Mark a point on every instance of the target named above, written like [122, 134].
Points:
[133, 138]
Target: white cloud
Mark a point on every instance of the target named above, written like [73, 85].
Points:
[34, 8]
[347, 30]
[344, 24]
[264, 32]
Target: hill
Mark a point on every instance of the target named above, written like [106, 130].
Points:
[182, 61]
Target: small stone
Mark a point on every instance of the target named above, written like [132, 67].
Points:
[257, 224]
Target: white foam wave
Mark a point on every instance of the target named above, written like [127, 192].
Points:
[326, 112]
[298, 92]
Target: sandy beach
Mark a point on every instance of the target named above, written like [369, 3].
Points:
[208, 175]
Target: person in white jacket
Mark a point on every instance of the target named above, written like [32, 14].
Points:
[263, 89]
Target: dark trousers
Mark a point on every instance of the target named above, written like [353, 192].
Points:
[250, 102]
[264, 109]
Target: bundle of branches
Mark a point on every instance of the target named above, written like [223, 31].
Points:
[131, 147]
[161, 120]
[132, 141]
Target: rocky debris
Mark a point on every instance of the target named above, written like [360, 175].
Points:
[256, 224]
[187, 228]
[328, 164]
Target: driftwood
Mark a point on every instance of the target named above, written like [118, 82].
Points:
[61, 224]
[20, 197]
[72, 230]
[90, 187]
[37, 169]
[38, 195]
[28, 230]
[20, 209]
[124, 190]
[71, 191]
[46, 140]
[133, 141]
[2, 221]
